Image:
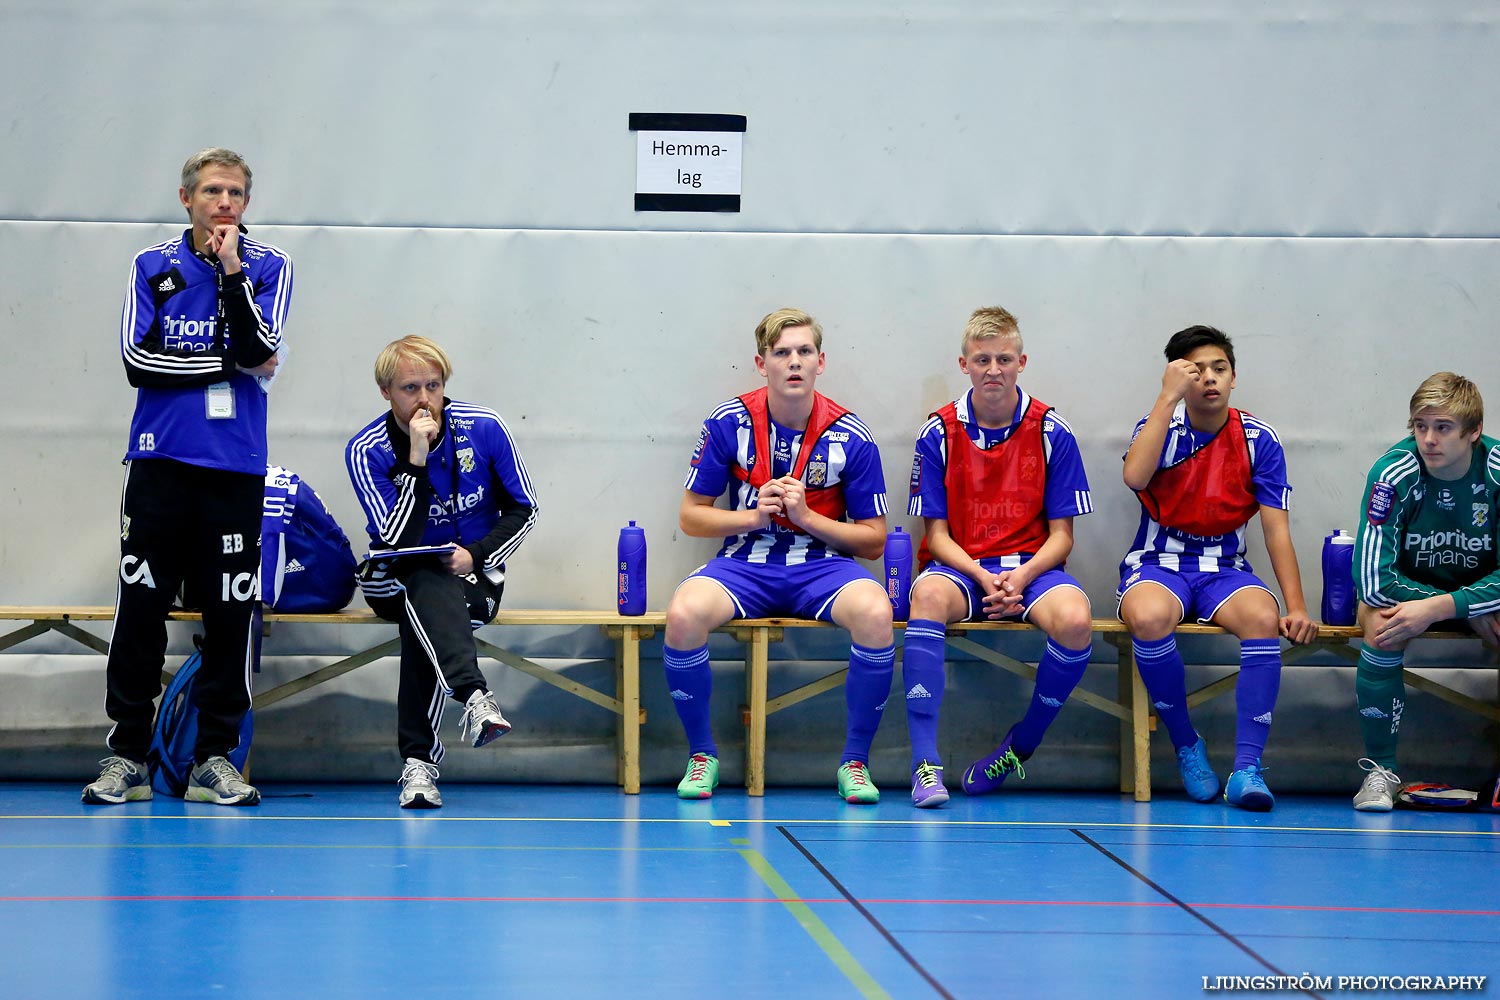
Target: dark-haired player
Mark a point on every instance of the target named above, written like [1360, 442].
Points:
[1202, 470]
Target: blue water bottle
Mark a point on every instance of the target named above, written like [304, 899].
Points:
[631, 574]
[898, 573]
[1339, 604]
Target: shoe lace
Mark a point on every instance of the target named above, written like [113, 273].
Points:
[118, 767]
[1381, 779]
[1001, 766]
[1193, 764]
[222, 772]
[857, 775]
[419, 771]
[697, 766]
[927, 775]
[1254, 775]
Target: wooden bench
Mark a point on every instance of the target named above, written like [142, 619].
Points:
[627, 634]
[1131, 706]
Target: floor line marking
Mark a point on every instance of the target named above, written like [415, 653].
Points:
[1186, 908]
[1069, 826]
[815, 928]
[864, 911]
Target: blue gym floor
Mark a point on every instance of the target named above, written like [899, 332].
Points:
[331, 891]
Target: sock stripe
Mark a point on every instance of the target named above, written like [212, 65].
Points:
[1067, 655]
[684, 659]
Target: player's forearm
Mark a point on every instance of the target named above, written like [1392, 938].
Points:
[1284, 565]
[1052, 554]
[1144, 455]
[942, 548]
[864, 538]
[707, 521]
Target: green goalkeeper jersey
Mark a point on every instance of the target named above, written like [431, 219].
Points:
[1420, 536]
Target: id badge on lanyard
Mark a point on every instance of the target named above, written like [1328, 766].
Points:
[218, 399]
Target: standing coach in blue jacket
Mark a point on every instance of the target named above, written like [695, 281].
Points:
[201, 339]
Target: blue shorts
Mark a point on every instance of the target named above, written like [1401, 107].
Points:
[1198, 594]
[1044, 584]
[801, 590]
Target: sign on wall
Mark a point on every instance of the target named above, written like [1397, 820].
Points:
[687, 163]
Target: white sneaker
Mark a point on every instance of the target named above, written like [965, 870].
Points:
[1378, 792]
[482, 722]
[121, 780]
[419, 785]
[216, 780]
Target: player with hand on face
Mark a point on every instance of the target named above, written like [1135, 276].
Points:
[1201, 470]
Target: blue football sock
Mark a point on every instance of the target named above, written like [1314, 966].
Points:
[690, 683]
[1162, 672]
[1057, 675]
[922, 675]
[1255, 697]
[869, 685]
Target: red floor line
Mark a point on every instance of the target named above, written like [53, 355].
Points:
[1119, 904]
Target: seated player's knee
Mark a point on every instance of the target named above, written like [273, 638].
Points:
[691, 615]
[1150, 611]
[929, 599]
[1073, 626]
[865, 611]
[1257, 616]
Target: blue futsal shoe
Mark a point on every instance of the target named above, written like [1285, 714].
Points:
[1198, 776]
[1247, 789]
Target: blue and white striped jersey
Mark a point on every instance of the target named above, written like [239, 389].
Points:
[1067, 492]
[1177, 550]
[846, 456]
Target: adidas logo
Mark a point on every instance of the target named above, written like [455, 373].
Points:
[1264, 720]
[167, 285]
[918, 691]
[1049, 702]
[1372, 713]
[680, 695]
[1161, 706]
[294, 567]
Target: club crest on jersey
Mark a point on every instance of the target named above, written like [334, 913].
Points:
[817, 471]
[465, 459]
[1481, 515]
[125, 527]
[1382, 499]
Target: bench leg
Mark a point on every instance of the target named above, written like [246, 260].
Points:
[1140, 722]
[628, 690]
[756, 665]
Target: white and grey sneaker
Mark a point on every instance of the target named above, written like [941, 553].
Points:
[1378, 793]
[419, 785]
[216, 780]
[482, 722]
[122, 780]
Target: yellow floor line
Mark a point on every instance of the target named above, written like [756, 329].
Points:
[815, 928]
